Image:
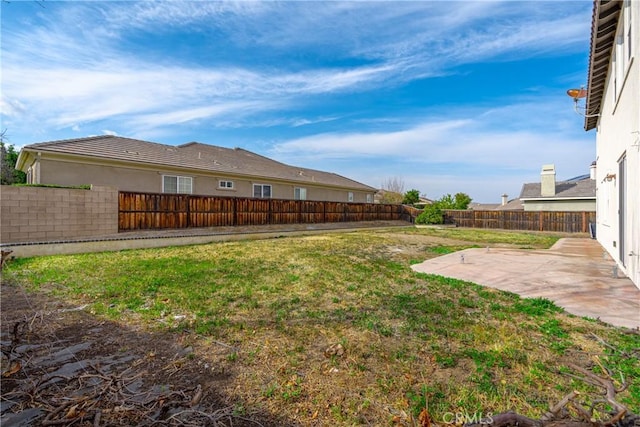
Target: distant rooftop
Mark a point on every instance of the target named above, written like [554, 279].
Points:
[569, 189]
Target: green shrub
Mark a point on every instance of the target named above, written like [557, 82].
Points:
[432, 214]
[411, 197]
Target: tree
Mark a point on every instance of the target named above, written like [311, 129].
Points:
[446, 202]
[395, 185]
[8, 158]
[461, 201]
[411, 197]
[392, 190]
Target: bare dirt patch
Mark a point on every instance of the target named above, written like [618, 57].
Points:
[62, 366]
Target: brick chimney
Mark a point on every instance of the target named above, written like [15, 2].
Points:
[548, 181]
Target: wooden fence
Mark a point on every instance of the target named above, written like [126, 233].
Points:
[147, 211]
[566, 222]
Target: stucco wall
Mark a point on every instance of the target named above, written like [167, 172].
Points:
[38, 214]
[149, 179]
[616, 136]
[561, 206]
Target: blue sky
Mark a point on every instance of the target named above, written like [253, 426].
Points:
[446, 96]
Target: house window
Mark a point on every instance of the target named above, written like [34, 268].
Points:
[369, 198]
[350, 196]
[225, 185]
[626, 10]
[262, 191]
[177, 184]
[621, 57]
[300, 193]
[614, 65]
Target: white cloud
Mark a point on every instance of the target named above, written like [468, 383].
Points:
[346, 145]
[88, 66]
[461, 142]
[11, 107]
[305, 121]
[72, 70]
[483, 152]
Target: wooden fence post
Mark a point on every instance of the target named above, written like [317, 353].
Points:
[324, 211]
[540, 220]
[188, 201]
[234, 214]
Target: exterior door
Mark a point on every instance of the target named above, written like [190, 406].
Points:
[622, 206]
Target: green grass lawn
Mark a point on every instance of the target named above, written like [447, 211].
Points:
[409, 339]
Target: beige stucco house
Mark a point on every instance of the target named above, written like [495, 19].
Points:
[192, 168]
[613, 110]
[574, 195]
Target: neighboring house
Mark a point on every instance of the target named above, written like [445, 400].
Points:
[506, 205]
[386, 196]
[193, 168]
[613, 109]
[511, 205]
[578, 194]
[424, 201]
[474, 206]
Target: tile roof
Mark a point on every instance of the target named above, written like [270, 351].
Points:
[512, 205]
[193, 155]
[585, 188]
[604, 24]
[474, 206]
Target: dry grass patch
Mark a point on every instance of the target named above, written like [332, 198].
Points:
[338, 330]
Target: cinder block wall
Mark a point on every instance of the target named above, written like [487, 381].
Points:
[39, 214]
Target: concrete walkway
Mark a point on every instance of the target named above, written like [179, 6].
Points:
[576, 274]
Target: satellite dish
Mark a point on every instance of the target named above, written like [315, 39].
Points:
[577, 93]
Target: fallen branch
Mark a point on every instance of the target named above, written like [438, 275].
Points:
[621, 418]
[607, 384]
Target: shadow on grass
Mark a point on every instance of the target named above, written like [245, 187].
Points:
[62, 366]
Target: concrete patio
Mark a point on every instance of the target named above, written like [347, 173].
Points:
[575, 273]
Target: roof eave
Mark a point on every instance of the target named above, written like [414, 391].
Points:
[542, 199]
[22, 159]
[604, 23]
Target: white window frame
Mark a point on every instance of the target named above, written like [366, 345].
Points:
[184, 184]
[350, 196]
[614, 75]
[225, 184]
[262, 192]
[622, 51]
[369, 198]
[300, 193]
[620, 58]
[626, 11]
